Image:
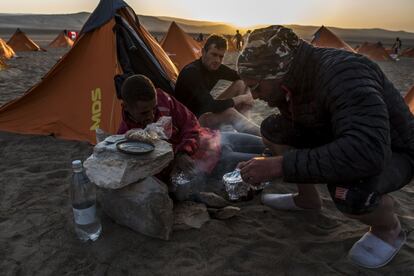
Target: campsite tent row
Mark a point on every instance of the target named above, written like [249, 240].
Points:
[81, 92]
[326, 38]
[20, 42]
[79, 95]
[183, 49]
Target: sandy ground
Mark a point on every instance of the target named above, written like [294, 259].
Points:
[36, 230]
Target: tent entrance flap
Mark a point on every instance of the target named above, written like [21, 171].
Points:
[136, 58]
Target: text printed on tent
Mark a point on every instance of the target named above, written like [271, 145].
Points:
[96, 108]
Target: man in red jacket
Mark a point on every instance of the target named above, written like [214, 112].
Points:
[211, 152]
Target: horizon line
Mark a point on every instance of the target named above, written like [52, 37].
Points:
[222, 22]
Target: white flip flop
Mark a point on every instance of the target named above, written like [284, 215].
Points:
[280, 201]
[372, 252]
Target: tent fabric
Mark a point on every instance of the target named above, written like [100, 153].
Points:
[78, 95]
[20, 42]
[327, 39]
[6, 52]
[374, 51]
[409, 99]
[153, 49]
[103, 13]
[409, 52]
[61, 41]
[137, 56]
[181, 48]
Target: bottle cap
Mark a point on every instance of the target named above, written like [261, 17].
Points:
[76, 164]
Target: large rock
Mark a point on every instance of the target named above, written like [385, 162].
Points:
[188, 214]
[143, 206]
[111, 169]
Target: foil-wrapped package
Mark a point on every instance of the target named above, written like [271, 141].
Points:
[179, 179]
[236, 188]
[181, 186]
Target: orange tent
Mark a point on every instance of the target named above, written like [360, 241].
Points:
[20, 42]
[79, 94]
[201, 43]
[409, 99]
[327, 39]
[409, 52]
[181, 47]
[389, 51]
[374, 51]
[231, 45]
[3, 65]
[61, 41]
[6, 51]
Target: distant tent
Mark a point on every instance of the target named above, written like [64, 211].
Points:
[409, 52]
[327, 39]
[6, 51]
[201, 43]
[61, 41]
[3, 65]
[409, 99]
[374, 51]
[20, 42]
[79, 93]
[231, 45]
[389, 51]
[181, 47]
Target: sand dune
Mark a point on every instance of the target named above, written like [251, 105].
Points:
[38, 23]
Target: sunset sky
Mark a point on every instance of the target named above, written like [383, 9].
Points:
[387, 14]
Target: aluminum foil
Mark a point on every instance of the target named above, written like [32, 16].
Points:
[179, 179]
[181, 186]
[236, 188]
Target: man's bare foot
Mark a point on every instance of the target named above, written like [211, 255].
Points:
[306, 202]
[389, 235]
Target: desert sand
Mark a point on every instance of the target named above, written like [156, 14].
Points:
[37, 236]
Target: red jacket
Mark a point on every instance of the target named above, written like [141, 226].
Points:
[202, 144]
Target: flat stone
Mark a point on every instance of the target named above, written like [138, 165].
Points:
[143, 206]
[224, 213]
[211, 200]
[188, 214]
[111, 169]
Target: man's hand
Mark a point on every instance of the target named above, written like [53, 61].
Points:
[184, 163]
[245, 100]
[261, 169]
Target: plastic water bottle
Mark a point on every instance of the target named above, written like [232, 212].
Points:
[83, 195]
